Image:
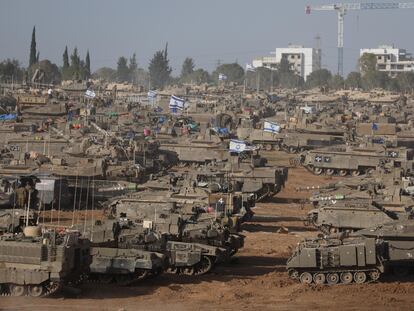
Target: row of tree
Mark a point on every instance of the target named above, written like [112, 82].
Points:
[159, 72]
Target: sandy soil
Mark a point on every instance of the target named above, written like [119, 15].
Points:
[256, 279]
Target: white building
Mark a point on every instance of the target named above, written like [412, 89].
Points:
[303, 61]
[390, 59]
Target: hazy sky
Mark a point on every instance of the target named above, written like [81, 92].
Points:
[208, 30]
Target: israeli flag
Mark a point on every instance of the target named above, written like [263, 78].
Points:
[152, 95]
[307, 109]
[237, 146]
[176, 103]
[250, 67]
[271, 127]
[90, 94]
[222, 77]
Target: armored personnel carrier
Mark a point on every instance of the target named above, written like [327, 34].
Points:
[344, 160]
[360, 257]
[38, 265]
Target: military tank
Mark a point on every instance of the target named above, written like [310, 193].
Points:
[192, 241]
[353, 215]
[38, 265]
[193, 253]
[111, 263]
[360, 257]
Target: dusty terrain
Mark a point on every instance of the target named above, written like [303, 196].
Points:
[256, 279]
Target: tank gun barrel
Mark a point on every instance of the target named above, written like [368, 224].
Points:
[100, 130]
[318, 187]
[61, 134]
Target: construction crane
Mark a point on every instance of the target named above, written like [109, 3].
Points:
[343, 8]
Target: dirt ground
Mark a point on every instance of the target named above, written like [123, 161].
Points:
[256, 279]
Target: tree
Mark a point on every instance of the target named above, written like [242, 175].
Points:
[263, 77]
[65, 58]
[336, 82]
[375, 79]
[405, 81]
[133, 63]
[188, 68]
[367, 63]
[284, 65]
[51, 71]
[122, 69]
[75, 64]
[105, 73]
[234, 72]
[10, 70]
[290, 80]
[133, 67]
[87, 65]
[319, 78]
[354, 80]
[159, 69]
[200, 76]
[33, 58]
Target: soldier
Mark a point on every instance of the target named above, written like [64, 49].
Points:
[21, 196]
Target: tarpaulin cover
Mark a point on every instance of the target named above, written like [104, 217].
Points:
[6, 117]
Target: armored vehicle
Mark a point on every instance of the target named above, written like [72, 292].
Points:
[111, 263]
[353, 215]
[39, 265]
[14, 220]
[360, 257]
[344, 160]
[196, 151]
[124, 266]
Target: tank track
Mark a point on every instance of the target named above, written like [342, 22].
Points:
[46, 290]
[121, 279]
[335, 277]
[203, 267]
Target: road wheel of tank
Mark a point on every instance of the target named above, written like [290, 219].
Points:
[17, 290]
[205, 265]
[276, 147]
[360, 277]
[356, 173]
[343, 173]
[292, 149]
[293, 274]
[319, 278]
[269, 147]
[374, 275]
[330, 171]
[317, 170]
[332, 278]
[306, 278]
[172, 269]
[35, 290]
[141, 274]
[346, 277]
[369, 171]
[188, 271]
